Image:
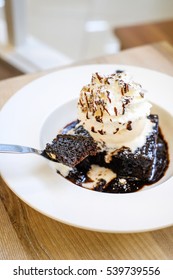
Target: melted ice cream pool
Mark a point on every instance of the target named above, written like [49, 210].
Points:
[97, 173]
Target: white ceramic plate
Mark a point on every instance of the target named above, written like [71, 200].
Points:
[22, 121]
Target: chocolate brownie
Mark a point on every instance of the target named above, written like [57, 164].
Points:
[134, 169]
[140, 163]
[70, 149]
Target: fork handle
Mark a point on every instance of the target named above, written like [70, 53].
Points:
[16, 149]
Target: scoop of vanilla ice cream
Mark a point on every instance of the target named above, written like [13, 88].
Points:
[113, 109]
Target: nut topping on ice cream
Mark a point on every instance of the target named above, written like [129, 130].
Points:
[113, 108]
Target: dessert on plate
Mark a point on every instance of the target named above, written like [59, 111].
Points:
[115, 145]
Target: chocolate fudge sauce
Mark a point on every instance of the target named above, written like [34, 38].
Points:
[128, 178]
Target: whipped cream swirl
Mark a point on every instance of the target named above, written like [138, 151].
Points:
[114, 109]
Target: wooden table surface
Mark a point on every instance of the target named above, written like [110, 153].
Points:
[27, 234]
[147, 33]
[8, 71]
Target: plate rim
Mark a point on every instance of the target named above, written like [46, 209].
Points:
[40, 79]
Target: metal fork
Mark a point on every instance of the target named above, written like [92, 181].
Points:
[17, 149]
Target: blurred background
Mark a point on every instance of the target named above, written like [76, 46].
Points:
[41, 34]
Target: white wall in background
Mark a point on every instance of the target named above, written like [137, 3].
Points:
[82, 29]
[123, 12]
[62, 23]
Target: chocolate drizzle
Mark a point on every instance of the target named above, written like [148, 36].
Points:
[101, 132]
[115, 110]
[123, 109]
[116, 131]
[129, 125]
[105, 109]
[99, 77]
[126, 87]
[93, 129]
[86, 99]
[108, 93]
[118, 71]
[122, 90]
[126, 100]
[98, 119]
[107, 81]
[80, 102]
[141, 94]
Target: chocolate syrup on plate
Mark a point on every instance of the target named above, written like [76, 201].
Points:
[125, 182]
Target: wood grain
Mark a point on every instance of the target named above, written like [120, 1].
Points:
[27, 234]
[137, 35]
[8, 71]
